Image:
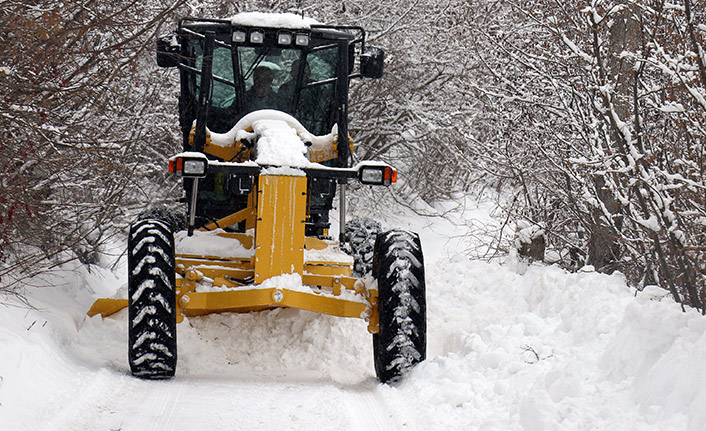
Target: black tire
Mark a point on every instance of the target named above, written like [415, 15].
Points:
[359, 241]
[174, 221]
[152, 344]
[398, 267]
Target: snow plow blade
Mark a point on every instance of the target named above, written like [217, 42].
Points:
[194, 304]
[106, 306]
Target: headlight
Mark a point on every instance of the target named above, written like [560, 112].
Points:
[284, 38]
[377, 175]
[371, 176]
[188, 166]
[257, 36]
[302, 39]
[239, 36]
[196, 168]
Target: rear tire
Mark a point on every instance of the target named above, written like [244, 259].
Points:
[398, 267]
[152, 351]
[359, 236]
[175, 221]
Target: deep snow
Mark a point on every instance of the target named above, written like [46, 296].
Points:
[511, 347]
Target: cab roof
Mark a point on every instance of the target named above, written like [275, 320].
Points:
[269, 22]
[273, 20]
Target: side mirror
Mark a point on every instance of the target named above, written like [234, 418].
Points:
[167, 50]
[371, 62]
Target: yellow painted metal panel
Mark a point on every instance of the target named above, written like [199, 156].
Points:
[330, 262]
[252, 202]
[188, 261]
[107, 306]
[329, 281]
[244, 238]
[312, 243]
[230, 220]
[249, 299]
[279, 234]
[223, 152]
[328, 269]
[216, 271]
[324, 152]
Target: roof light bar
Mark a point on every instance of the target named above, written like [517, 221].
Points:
[302, 39]
[284, 38]
[257, 36]
[239, 35]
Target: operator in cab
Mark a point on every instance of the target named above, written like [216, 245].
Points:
[261, 95]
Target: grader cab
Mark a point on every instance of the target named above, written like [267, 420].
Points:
[263, 111]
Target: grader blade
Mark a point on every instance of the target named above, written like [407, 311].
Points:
[106, 306]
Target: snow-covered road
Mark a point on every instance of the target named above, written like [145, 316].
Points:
[510, 348]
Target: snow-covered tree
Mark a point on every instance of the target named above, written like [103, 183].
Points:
[611, 163]
[81, 121]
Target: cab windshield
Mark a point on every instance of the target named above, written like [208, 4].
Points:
[291, 80]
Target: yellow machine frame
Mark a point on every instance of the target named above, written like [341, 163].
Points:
[263, 280]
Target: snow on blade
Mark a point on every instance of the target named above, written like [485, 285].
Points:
[332, 253]
[210, 244]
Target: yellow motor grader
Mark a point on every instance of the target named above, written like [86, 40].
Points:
[263, 114]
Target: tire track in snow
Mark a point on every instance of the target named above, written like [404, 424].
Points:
[164, 398]
[79, 403]
[367, 408]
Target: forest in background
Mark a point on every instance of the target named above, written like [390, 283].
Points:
[586, 121]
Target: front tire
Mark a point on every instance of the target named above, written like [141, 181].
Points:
[398, 267]
[152, 342]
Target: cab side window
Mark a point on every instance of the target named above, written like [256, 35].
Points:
[224, 95]
[316, 107]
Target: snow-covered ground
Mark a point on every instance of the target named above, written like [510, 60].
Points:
[511, 347]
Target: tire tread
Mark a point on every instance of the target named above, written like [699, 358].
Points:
[398, 267]
[151, 300]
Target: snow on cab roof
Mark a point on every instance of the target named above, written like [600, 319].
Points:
[276, 20]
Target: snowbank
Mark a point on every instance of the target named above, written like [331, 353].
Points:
[551, 350]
